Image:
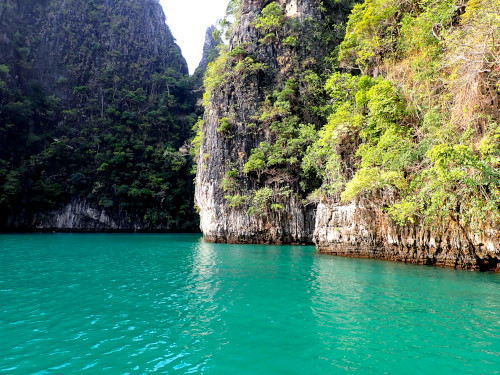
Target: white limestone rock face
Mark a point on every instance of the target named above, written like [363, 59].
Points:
[239, 99]
[79, 215]
[357, 229]
[361, 229]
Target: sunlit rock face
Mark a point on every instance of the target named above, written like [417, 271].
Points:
[357, 229]
[209, 45]
[361, 229]
[81, 216]
[240, 99]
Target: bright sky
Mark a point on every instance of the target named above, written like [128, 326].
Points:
[188, 20]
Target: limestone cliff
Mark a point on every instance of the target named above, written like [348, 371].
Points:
[209, 49]
[236, 203]
[95, 105]
[405, 144]
[361, 229]
[418, 185]
[82, 216]
[210, 53]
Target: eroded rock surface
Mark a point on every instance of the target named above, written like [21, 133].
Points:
[81, 216]
[362, 230]
[239, 99]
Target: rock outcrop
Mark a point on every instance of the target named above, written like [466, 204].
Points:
[250, 75]
[210, 53]
[361, 229]
[255, 90]
[222, 224]
[209, 48]
[82, 216]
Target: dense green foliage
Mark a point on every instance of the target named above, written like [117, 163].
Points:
[101, 118]
[429, 130]
[406, 101]
[289, 62]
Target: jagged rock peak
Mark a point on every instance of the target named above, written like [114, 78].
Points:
[293, 8]
[208, 47]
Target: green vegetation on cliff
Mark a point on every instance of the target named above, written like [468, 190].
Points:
[427, 127]
[402, 97]
[286, 67]
[95, 103]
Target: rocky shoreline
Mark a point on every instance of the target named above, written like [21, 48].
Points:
[362, 230]
[80, 216]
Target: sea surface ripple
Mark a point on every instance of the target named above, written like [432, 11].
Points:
[174, 304]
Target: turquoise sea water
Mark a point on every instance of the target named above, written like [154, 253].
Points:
[140, 304]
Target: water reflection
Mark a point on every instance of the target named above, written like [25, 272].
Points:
[263, 296]
[175, 304]
[373, 315]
